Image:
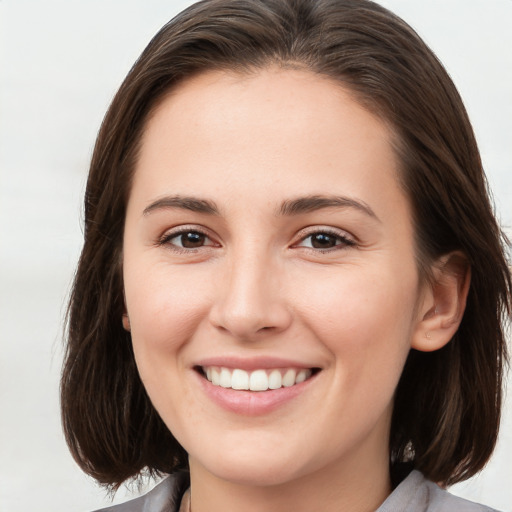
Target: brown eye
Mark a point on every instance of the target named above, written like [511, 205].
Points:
[191, 240]
[323, 241]
[326, 240]
[187, 240]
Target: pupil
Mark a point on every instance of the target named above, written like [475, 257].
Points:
[323, 241]
[192, 239]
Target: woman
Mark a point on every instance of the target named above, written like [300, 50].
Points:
[292, 289]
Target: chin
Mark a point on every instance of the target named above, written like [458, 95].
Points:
[250, 473]
[252, 465]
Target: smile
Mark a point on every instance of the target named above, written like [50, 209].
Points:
[256, 380]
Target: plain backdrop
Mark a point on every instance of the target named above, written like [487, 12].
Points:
[61, 62]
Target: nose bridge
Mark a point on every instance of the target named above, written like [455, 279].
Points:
[250, 298]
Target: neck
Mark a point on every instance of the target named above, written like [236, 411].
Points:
[358, 485]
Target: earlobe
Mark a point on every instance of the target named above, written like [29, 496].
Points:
[126, 318]
[443, 304]
[126, 322]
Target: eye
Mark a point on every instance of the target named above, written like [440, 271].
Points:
[325, 240]
[187, 239]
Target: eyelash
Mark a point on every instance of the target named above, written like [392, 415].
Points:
[166, 240]
[344, 241]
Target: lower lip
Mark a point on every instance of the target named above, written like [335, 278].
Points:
[252, 403]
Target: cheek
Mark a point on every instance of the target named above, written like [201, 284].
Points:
[355, 302]
[365, 319]
[165, 311]
[165, 307]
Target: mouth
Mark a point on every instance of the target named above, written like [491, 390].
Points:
[255, 380]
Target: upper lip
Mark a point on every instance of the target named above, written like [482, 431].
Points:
[252, 363]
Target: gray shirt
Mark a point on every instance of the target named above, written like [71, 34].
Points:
[414, 494]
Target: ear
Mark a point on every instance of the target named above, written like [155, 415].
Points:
[126, 318]
[126, 323]
[443, 304]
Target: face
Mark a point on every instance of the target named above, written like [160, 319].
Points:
[270, 276]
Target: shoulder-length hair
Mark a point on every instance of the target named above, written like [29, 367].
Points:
[447, 404]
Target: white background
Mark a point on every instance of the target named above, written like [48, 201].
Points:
[61, 62]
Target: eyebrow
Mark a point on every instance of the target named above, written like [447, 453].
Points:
[290, 207]
[192, 204]
[318, 202]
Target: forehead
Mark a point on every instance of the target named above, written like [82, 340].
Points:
[287, 130]
[265, 97]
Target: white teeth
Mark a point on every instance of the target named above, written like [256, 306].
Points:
[301, 376]
[239, 379]
[289, 378]
[257, 380]
[225, 378]
[215, 377]
[275, 381]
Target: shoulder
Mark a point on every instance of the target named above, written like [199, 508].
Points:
[418, 494]
[165, 497]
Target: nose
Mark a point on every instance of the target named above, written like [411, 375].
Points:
[250, 298]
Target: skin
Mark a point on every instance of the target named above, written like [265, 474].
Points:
[258, 287]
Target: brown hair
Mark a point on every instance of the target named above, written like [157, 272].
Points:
[447, 404]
